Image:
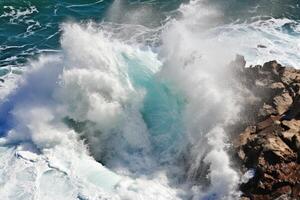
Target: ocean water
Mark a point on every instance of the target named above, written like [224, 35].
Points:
[129, 99]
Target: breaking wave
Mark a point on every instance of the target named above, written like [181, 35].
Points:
[111, 116]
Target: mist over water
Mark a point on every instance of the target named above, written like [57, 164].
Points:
[129, 103]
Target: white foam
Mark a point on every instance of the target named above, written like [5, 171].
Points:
[280, 42]
[89, 83]
[16, 15]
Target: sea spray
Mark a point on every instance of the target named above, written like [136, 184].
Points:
[198, 66]
[87, 88]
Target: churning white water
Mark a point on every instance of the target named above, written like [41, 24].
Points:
[109, 117]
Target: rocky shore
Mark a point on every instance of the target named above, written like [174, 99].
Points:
[269, 143]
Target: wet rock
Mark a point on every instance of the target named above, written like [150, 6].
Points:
[270, 142]
[261, 46]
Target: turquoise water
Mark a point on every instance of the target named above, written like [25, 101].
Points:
[162, 108]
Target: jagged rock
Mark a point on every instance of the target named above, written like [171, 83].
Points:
[292, 124]
[283, 102]
[270, 142]
[290, 75]
[273, 67]
[267, 110]
[246, 135]
[276, 146]
[288, 135]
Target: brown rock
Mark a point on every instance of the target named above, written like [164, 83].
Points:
[283, 197]
[245, 136]
[264, 124]
[296, 191]
[292, 135]
[290, 75]
[270, 130]
[288, 135]
[283, 102]
[293, 124]
[272, 148]
[245, 198]
[272, 65]
[267, 110]
[277, 85]
[278, 147]
[261, 197]
[285, 190]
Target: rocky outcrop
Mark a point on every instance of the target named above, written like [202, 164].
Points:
[270, 142]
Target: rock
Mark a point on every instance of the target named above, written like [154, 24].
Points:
[264, 124]
[261, 46]
[292, 135]
[273, 67]
[288, 135]
[267, 110]
[238, 65]
[293, 124]
[245, 198]
[290, 75]
[270, 142]
[283, 197]
[276, 146]
[283, 192]
[277, 85]
[283, 102]
[296, 191]
[246, 136]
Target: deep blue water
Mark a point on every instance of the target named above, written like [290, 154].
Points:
[31, 27]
